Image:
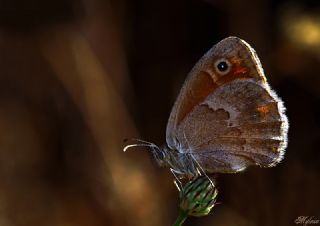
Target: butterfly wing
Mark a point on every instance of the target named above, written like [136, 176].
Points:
[230, 121]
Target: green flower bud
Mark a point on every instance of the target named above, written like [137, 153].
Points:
[198, 197]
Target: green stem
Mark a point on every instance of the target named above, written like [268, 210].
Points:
[183, 215]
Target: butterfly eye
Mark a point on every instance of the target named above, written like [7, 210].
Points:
[222, 66]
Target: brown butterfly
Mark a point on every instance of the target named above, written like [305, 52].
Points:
[226, 116]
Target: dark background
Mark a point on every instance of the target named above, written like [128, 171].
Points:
[77, 77]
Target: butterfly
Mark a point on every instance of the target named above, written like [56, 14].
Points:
[226, 116]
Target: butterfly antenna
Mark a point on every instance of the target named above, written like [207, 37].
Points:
[141, 144]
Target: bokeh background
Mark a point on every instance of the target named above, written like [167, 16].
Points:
[77, 77]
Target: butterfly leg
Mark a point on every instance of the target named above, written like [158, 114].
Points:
[177, 181]
[200, 170]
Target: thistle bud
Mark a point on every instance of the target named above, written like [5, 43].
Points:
[198, 197]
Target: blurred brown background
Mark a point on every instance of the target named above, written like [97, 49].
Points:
[77, 77]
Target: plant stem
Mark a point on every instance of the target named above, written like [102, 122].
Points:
[183, 215]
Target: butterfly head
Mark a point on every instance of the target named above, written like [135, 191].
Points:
[160, 155]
